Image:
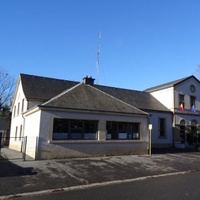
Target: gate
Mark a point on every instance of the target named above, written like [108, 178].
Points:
[4, 143]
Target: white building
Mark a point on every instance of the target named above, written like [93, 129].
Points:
[54, 118]
[182, 97]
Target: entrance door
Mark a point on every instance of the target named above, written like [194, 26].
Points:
[192, 135]
[182, 131]
[182, 134]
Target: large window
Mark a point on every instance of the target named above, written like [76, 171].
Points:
[70, 129]
[122, 131]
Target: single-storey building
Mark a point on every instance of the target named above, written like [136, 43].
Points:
[53, 118]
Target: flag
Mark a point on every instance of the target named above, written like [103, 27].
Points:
[193, 109]
[181, 107]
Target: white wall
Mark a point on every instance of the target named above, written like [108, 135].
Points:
[184, 89]
[17, 119]
[32, 131]
[58, 149]
[159, 141]
[166, 97]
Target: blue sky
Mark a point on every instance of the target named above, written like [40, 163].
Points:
[143, 42]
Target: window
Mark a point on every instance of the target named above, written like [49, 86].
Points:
[194, 122]
[60, 129]
[181, 102]
[122, 130]
[22, 108]
[18, 108]
[162, 127]
[192, 88]
[20, 133]
[193, 103]
[16, 133]
[70, 129]
[182, 131]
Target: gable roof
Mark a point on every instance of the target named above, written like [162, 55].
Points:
[139, 99]
[169, 84]
[86, 97]
[43, 88]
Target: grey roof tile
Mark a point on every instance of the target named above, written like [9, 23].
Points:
[86, 97]
[139, 99]
[43, 88]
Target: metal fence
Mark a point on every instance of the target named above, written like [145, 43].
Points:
[4, 143]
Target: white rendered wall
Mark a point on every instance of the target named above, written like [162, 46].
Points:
[19, 107]
[58, 149]
[166, 97]
[32, 131]
[156, 139]
[184, 89]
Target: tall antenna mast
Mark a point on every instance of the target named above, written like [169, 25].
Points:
[98, 57]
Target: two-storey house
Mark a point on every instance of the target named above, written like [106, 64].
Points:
[182, 97]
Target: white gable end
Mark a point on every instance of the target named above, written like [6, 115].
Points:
[166, 97]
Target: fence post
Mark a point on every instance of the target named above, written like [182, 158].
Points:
[24, 148]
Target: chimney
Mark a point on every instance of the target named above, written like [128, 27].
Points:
[88, 80]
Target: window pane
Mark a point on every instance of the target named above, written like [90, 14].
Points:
[122, 130]
[193, 103]
[74, 129]
[181, 101]
[90, 130]
[60, 129]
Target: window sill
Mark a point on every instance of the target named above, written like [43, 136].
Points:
[162, 137]
[92, 141]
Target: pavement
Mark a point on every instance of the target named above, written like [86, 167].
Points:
[25, 178]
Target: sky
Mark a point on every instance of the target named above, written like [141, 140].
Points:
[143, 43]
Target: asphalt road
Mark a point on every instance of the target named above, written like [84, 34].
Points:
[19, 178]
[182, 187]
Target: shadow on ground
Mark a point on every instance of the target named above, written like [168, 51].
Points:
[9, 169]
[172, 150]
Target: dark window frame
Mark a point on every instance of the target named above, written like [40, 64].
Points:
[182, 100]
[74, 129]
[122, 130]
[162, 127]
[192, 101]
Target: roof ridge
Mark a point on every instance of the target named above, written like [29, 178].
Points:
[117, 88]
[168, 84]
[119, 99]
[60, 94]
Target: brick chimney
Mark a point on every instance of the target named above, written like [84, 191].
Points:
[88, 80]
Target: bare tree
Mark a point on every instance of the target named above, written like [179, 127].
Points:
[7, 84]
